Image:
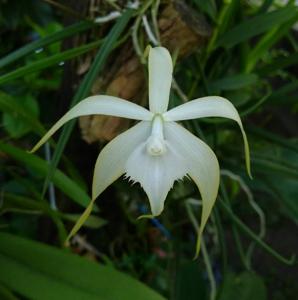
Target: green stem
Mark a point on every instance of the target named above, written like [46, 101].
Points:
[234, 230]
[288, 261]
[209, 270]
[204, 252]
[222, 241]
[204, 79]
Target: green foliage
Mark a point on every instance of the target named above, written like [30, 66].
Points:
[244, 286]
[39, 271]
[189, 283]
[21, 114]
[251, 59]
[46, 62]
[68, 186]
[255, 26]
[15, 127]
[45, 41]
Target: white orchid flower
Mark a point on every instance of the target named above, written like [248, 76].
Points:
[157, 151]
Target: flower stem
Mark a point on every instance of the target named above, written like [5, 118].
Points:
[204, 253]
[235, 231]
[288, 261]
[222, 241]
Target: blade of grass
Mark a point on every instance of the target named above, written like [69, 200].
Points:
[55, 37]
[265, 6]
[283, 94]
[274, 138]
[278, 64]
[224, 19]
[37, 271]
[255, 26]
[268, 165]
[246, 230]
[6, 294]
[256, 105]
[233, 82]
[86, 85]
[49, 61]
[24, 204]
[63, 182]
[268, 40]
[235, 231]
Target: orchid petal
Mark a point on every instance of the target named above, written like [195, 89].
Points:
[202, 166]
[110, 164]
[156, 174]
[111, 161]
[212, 106]
[102, 105]
[160, 79]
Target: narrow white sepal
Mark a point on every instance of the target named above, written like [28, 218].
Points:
[212, 106]
[160, 78]
[110, 164]
[202, 165]
[101, 105]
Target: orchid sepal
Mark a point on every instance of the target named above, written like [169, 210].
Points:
[211, 106]
[101, 105]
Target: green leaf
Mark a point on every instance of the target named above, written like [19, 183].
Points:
[255, 26]
[278, 64]
[283, 94]
[9, 105]
[92, 221]
[17, 203]
[208, 7]
[280, 186]
[86, 85]
[37, 271]
[265, 164]
[245, 286]
[233, 82]
[30, 48]
[268, 40]
[49, 61]
[49, 29]
[265, 6]
[60, 180]
[190, 284]
[6, 294]
[286, 191]
[25, 205]
[272, 137]
[15, 126]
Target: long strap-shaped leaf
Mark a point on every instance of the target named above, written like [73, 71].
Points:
[37, 271]
[86, 85]
[256, 25]
[63, 182]
[48, 61]
[57, 36]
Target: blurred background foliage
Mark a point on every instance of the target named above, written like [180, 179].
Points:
[250, 58]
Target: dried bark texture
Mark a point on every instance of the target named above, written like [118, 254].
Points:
[180, 30]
